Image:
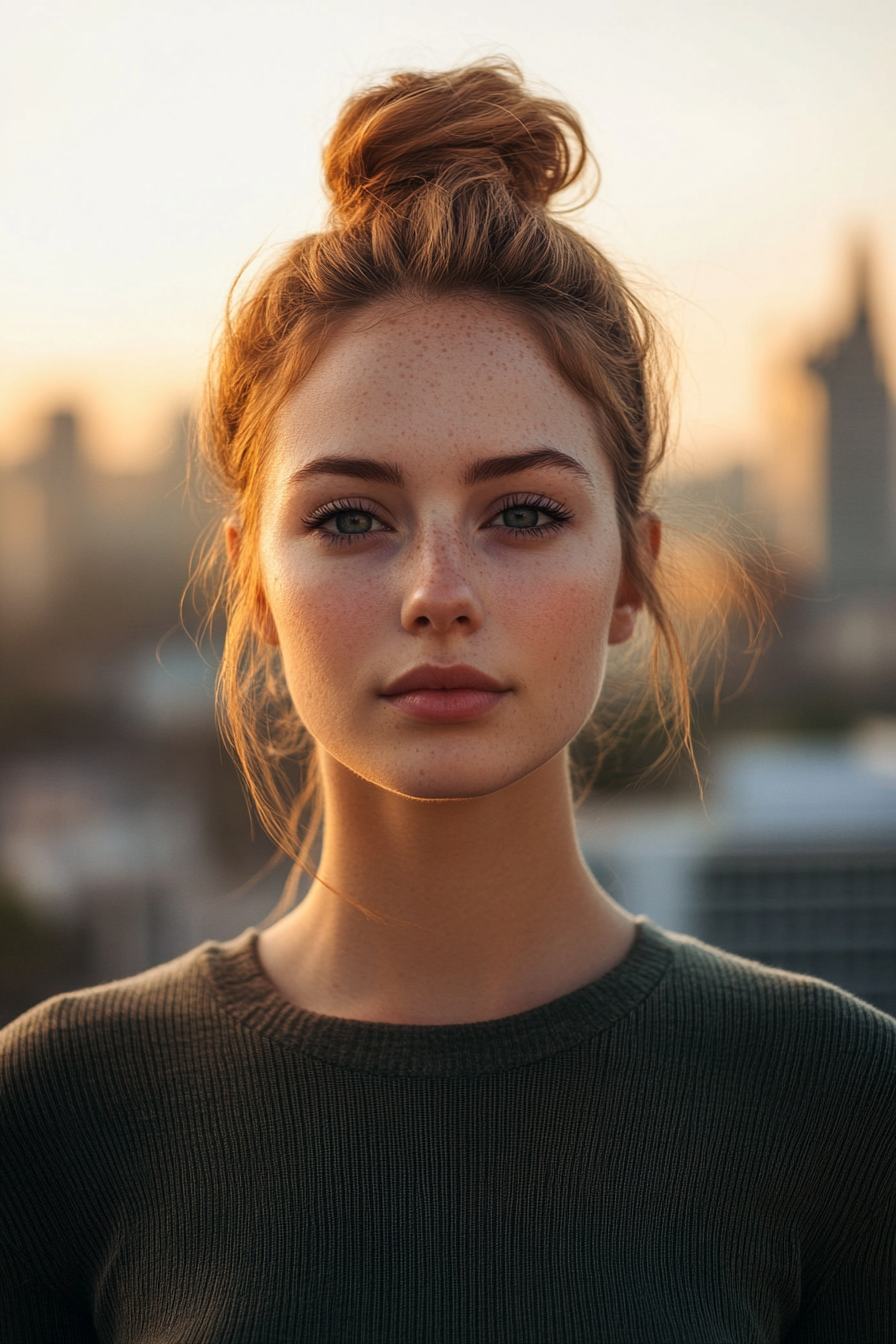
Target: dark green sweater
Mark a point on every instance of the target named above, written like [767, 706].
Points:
[691, 1150]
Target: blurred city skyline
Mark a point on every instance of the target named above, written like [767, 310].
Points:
[124, 833]
[149, 151]
[124, 836]
[781, 495]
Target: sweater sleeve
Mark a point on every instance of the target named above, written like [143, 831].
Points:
[44, 1227]
[855, 1298]
[858, 1302]
[33, 1311]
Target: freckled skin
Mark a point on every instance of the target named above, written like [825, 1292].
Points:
[431, 387]
[459, 837]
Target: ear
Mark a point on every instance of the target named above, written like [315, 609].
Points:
[233, 538]
[264, 621]
[629, 600]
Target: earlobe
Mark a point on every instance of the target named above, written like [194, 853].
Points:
[264, 621]
[625, 612]
[652, 526]
[629, 599]
[233, 539]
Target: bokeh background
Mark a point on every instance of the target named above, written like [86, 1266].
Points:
[748, 158]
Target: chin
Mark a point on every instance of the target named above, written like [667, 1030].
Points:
[454, 780]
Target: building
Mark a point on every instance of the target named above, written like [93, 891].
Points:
[84, 549]
[110, 758]
[791, 861]
[860, 459]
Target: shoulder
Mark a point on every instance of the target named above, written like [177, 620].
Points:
[64, 1047]
[744, 996]
[792, 1035]
[132, 998]
[750, 994]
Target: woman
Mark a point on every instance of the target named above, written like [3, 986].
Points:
[457, 1093]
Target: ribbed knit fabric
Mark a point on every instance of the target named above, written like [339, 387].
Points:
[691, 1150]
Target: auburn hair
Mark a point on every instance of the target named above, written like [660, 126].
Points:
[440, 184]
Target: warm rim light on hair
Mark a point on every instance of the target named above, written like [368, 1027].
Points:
[440, 184]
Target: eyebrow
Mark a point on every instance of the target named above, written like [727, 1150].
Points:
[483, 469]
[490, 468]
[361, 468]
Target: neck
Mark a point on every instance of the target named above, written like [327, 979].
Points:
[450, 911]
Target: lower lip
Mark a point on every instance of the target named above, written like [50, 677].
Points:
[458, 706]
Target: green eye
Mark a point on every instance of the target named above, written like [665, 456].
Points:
[353, 522]
[520, 516]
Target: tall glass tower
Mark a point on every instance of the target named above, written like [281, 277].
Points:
[861, 457]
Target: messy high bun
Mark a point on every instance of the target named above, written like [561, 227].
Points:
[441, 184]
[477, 126]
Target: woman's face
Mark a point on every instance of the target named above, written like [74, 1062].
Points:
[439, 551]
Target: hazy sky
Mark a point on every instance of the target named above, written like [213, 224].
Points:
[148, 149]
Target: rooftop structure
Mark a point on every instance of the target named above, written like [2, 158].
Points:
[860, 455]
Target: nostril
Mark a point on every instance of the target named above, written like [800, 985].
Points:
[463, 620]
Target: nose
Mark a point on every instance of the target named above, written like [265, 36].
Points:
[441, 594]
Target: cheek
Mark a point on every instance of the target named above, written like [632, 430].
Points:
[325, 620]
[562, 619]
[545, 625]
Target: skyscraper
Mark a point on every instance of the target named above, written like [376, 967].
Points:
[861, 456]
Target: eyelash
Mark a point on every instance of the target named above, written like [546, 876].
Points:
[316, 520]
[559, 517]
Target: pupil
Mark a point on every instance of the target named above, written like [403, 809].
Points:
[520, 517]
[353, 522]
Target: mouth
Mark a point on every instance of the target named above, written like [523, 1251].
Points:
[436, 694]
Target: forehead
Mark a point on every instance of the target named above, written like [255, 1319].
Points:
[435, 377]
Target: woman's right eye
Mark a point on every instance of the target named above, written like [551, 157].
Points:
[353, 521]
[345, 520]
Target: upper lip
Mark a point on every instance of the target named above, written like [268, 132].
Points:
[431, 677]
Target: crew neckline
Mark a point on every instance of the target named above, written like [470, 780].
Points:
[239, 981]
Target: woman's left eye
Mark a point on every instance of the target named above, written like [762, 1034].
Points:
[536, 516]
[520, 516]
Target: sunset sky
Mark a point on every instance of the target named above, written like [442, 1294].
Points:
[148, 149]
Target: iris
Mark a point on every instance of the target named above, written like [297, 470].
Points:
[520, 516]
[353, 522]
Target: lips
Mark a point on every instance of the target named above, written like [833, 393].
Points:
[431, 677]
[445, 694]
